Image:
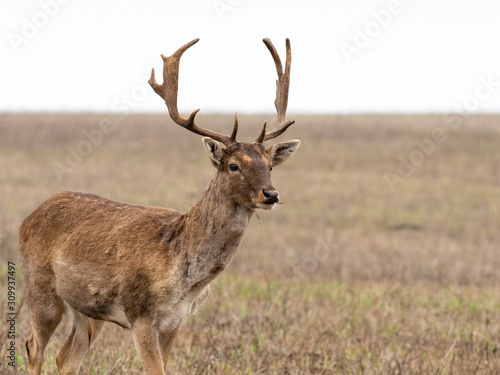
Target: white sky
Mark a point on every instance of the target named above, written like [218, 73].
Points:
[75, 55]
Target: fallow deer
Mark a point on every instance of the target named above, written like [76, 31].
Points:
[145, 268]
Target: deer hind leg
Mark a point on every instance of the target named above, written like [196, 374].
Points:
[45, 314]
[83, 334]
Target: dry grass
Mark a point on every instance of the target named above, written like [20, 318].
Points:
[347, 277]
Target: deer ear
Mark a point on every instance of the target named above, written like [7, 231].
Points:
[214, 151]
[280, 152]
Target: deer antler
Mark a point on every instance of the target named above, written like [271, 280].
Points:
[282, 84]
[168, 91]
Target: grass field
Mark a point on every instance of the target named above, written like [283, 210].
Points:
[383, 258]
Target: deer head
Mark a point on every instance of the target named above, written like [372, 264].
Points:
[243, 168]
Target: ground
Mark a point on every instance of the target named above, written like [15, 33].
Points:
[382, 258]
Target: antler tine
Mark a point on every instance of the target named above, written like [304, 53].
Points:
[262, 135]
[168, 91]
[282, 85]
[232, 138]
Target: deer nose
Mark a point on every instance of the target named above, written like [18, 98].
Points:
[271, 195]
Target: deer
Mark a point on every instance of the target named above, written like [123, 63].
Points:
[146, 269]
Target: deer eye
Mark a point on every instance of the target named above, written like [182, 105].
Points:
[233, 167]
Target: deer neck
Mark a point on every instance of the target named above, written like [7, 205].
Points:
[216, 216]
[213, 229]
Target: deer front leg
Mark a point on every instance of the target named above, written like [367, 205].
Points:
[166, 341]
[148, 347]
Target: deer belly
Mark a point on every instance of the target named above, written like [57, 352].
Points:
[90, 293]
